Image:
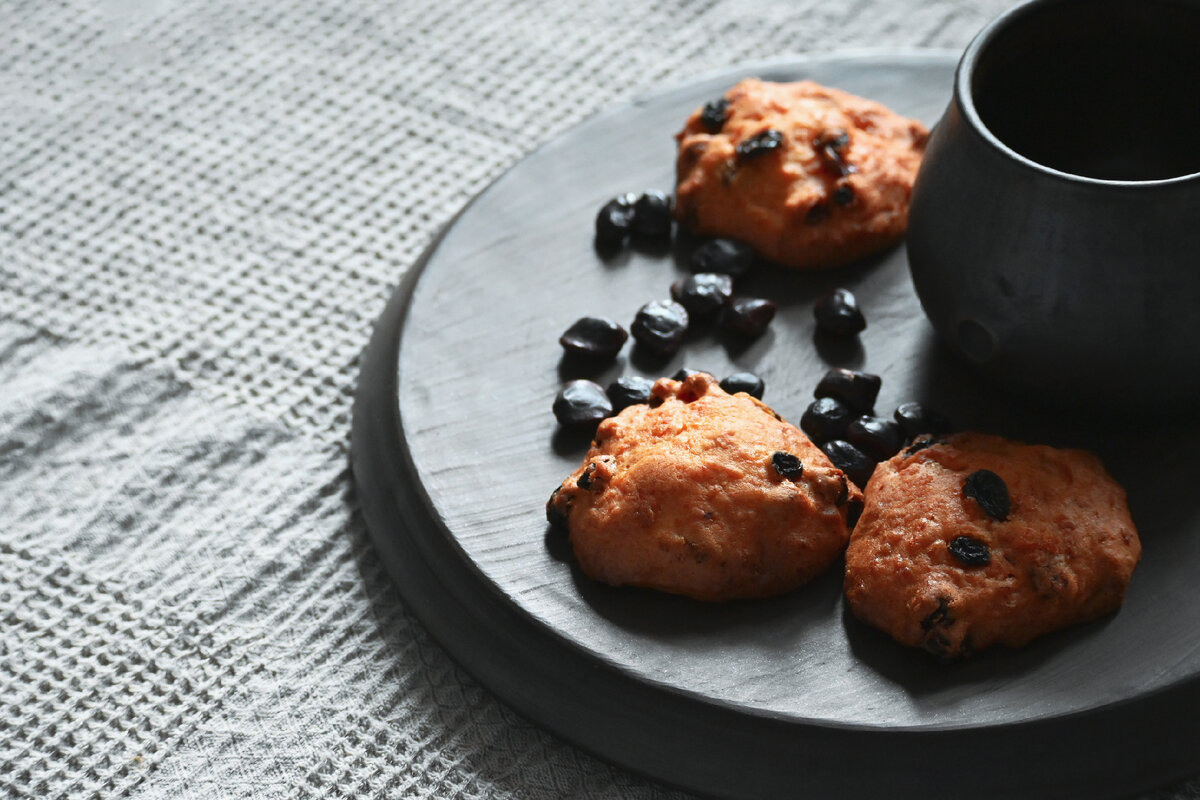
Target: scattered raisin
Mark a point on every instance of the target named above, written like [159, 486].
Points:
[916, 419]
[970, 551]
[879, 437]
[629, 391]
[714, 114]
[594, 337]
[747, 316]
[746, 382]
[683, 373]
[652, 216]
[857, 465]
[581, 403]
[939, 616]
[838, 313]
[990, 491]
[843, 195]
[703, 294]
[585, 479]
[826, 418]
[787, 465]
[920, 444]
[856, 389]
[615, 221]
[556, 516]
[759, 144]
[660, 326]
[725, 256]
[829, 147]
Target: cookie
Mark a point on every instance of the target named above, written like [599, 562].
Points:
[704, 494]
[806, 175]
[976, 540]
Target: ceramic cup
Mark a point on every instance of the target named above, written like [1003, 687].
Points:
[1054, 232]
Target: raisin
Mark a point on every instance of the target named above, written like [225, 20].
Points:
[683, 373]
[787, 465]
[879, 437]
[703, 294]
[857, 465]
[660, 326]
[652, 216]
[594, 337]
[585, 479]
[725, 256]
[916, 419]
[826, 418]
[760, 144]
[843, 195]
[556, 516]
[990, 491]
[856, 389]
[920, 444]
[615, 221]
[829, 147]
[626, 392]
[838, 313]
[714, 114]
[747, 316]
[939, 616]
[970, 551]
[581, 403]
[746, 382]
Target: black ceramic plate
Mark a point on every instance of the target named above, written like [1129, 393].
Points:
[455, 451]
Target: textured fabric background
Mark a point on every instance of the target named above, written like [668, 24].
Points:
[203, 207]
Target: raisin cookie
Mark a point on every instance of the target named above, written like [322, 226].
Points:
[806, 175]
[976, 540]
[705, 494]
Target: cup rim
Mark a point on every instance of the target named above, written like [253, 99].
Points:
[964, 74]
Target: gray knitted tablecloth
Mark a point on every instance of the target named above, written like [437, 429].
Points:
[203, 207]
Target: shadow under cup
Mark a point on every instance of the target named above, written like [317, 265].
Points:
[1054, 232]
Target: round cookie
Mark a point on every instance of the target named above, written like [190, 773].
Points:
[704, 494]
[806, 175]
[975, 540]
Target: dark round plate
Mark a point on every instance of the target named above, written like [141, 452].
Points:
[455, 452]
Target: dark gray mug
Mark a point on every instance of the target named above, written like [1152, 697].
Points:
[1054, 232]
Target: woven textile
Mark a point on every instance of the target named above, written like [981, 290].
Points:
[203, 207]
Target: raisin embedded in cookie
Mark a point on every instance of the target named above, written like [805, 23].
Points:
[807, 175]
[704, 494]
[974, 540]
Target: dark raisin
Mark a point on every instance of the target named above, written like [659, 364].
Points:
[652, 216]
[746, 382]
[615, 221]
[747, 316]
[703, 293]
[856, 389]
[990, 491]
[581, 403]
[817, 214]
[843, 195]
[829, 147]
[585, 479]
[660, 326]
[879, 437]
[759, 144]
[787, 465]
[939, 616]
[916, 419]
[920, 444]
[626, 392]
[714, 114]
[594, 337]
[838, 313]
[970, 551]
[826, 418]
[725, 256]
[857, 465]
[683, 373]
[556, 516]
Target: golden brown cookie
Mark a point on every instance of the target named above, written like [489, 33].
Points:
[976, 540]
[807, 175]
[704, 494]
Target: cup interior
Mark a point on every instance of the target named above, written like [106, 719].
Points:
[1104, 89]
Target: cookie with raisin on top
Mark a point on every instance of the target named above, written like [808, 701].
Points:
[974, 540]
[807, 175]
[705, 494]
